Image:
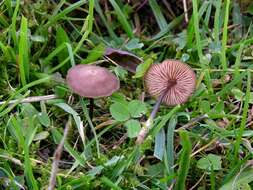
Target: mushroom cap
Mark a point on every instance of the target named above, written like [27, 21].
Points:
[172, 76]
[125, 59]
[92, 81]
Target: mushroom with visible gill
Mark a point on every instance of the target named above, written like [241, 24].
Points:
[92, 82]
[171, 82]
[122, 58]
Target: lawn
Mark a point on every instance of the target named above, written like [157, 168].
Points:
[111, 128]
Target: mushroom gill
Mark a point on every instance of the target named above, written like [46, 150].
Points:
[173, 79]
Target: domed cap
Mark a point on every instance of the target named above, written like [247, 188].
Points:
[174, 78]
[92, 81]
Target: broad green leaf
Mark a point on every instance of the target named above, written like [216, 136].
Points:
[210, 162]
[119, 97]
[44, 119]
[219, 107]
[120, 72]
[134, 44]
[62, 38]
[205, 106]
[142, 68]
[38, 38]
[240, 180]
[250, 9]
[133, 128]
[95, 54]
[238, 94]
[41, 136]
[119, 112]
[137, 108]
[159, 144]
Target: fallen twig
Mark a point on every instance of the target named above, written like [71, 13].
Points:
[32, 99]
[57, 156]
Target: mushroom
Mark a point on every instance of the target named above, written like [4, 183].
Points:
[125, 59]
[92, 82]
[171, 82]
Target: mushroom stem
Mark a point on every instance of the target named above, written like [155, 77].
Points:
[148, 124]
[91, 108]
[157, 105]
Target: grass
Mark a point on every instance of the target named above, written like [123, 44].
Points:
[205, 143]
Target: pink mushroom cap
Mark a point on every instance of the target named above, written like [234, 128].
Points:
[92, 81]
[174, 78]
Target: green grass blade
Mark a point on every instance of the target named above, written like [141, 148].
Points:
[12, 106]
[208, 13]
[76, 118]
[13, 24]
[96, 53]
[57, 136]
[34, 83]
[244, 118]
[164, 120]
[184, 161]
[61, 38]
[3, 21]
[199, 46]
[176, 21]
[224, 37]
[235, 169]
[8, 52]
[71, 54]
[23, 59]
[122, 19]
[16, 131]
[15, 184]
[54, 53]
[246, 42]
[102, 16]
[170, 143]
[28, 170]
[161, 21]
[226, 89]
[109, 183]
[86, 114]
[60, 50]
[63, 13]
[238, 60]
[87, 28]
[24, 144]
[159, 144]
[196, 29]
[217, 20]
[9, 7]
